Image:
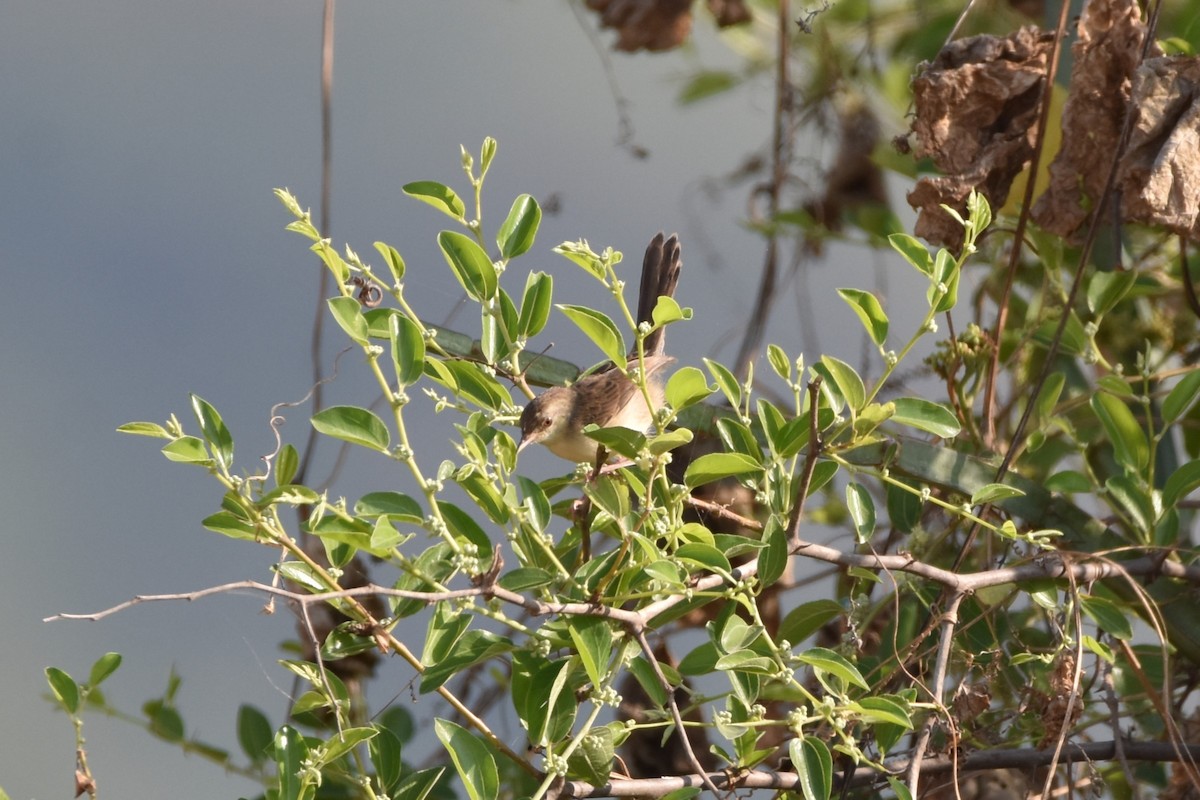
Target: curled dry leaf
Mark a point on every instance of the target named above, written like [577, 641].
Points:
[658, 25]
[653, 25]
[1160, 173]
[976, 114]
[1065, 703]
[854, 179]
[729, 12]
[1109, 44]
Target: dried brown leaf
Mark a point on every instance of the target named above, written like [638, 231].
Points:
[1160, 173]
[976, 113]
[1110, 37]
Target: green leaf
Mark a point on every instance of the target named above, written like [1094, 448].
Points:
[862, 511]
[1107, 616]
[1068, 481]
[104, 666]
[772, 561]
[726, 381]
[814, 767]
[228, 524]
[343, 642]
[253, 733]
[385, 751]
[582, 256]
[437, 195]
[446, 625]
[828, 661]
[1106, 289]
[467, 529]
[883, 709]
[535, 304]
[592, 760]
[686, 793]
[1181, 483]
[871, 416]
[1130, 447]
[472, 648]
[687, 387]
[666, 442]
[165, 721]
[1181, 397]
[393, 259]
[779, 362]
[1048, 397]
[707, 83]
[408, 349]
[65, 690]
[994, 492]
[212, 427]
[913, 252]
[899, 789]
[398, 506]
[843, 376]
[187, 450]
[667, 310]
[348, 313]
[469, 380]
[519, 230]
[343, 741]
[542, 696]
[946, 273]
[623, 441]
[286, 465]
[746, 661]
[706, 556]
[418, 785]
[471, 758]
[903, 507]
[487, 152]
[700, 661]
[868, 309]
[470, 265]
[738, 438]
[715, 466]
[926, 415]
[290, 754]
[601, 330]
[152, 429]
[806, 619]
[593, 643]
[525, 578]
[353, 424]
[1131, 497]
[667, 572]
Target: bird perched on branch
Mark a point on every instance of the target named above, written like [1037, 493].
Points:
[607, 397]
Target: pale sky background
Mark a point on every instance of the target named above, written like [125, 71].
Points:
[143, 257]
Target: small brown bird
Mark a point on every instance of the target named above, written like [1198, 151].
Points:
[607, 397]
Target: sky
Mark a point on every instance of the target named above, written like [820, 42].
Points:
[144, 257]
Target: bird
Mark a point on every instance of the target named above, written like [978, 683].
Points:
[607, 397]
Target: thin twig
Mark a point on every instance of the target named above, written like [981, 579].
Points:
[949, 620]
[989, 396]
[318, 329]
[780, 157]
[680, 730]
[810, 464]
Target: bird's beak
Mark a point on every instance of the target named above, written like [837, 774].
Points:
[521, 444]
